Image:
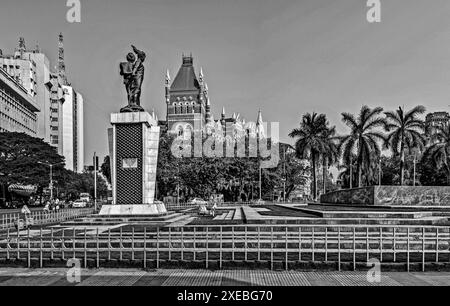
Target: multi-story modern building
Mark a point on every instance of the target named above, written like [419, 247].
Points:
[31, 67]
[18, 109]
[73, 130]
[56, 110]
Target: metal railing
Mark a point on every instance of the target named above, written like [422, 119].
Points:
[288, 245]
[8, 221]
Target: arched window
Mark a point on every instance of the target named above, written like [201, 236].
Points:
[179, 129]
[188, 130]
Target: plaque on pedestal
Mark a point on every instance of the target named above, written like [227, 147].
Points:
[134, 142]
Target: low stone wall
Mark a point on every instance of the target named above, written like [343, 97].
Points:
[356, 196]
[412, 196]
[390, 196]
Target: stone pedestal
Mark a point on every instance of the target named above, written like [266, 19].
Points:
[134, 144]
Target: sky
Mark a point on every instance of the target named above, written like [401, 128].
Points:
[285, 57]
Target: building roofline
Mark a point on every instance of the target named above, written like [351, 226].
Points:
[19, 90]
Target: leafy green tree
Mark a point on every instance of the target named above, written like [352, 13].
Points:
[236, 178]
[20, 158]
[406, 132]
[429, 174]
[347, 173]
[106, 168]
[329, 157]
[363, 140]
[296, 172]
[439, 151]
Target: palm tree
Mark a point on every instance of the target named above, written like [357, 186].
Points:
[347, 173]
[313, 141]
[406, 132]
[363, 139]
[439, 151]
[330, 156]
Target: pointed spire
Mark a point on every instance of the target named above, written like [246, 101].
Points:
[208, 102]
[260, 126]
[201, 76]
[22, 46]
[168, 78]
[223, 113]
[260, 119]
[206, 86]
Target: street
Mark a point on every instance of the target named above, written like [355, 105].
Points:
[135, 277]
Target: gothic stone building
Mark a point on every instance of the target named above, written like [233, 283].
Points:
[189, 106]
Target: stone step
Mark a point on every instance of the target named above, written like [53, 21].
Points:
[238, 214]
[229, 215]
[182, 222]
[126, 219]
[325, 221]
[220, 217]
[360, 214]
[95, 221]
[167, 215]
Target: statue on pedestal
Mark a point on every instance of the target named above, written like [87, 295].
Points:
[132, 72]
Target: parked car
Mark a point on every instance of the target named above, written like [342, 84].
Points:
[25, 223]
[259, 202]
[198, 201]
[79, 204]
[85, 197]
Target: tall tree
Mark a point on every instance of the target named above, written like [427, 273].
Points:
[406, 132]
[20, 160]
[364, 138]
[330, 155]
[312, 141]
[106, 168]
[439, 151]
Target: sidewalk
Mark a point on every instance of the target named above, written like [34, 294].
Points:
[122, 277]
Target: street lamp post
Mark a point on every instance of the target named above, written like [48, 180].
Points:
[285, 175]
[415, 161]
[260, 182]
[4, 190]
[379, 172]
[51, 175]
[95, 179]
[351, 173]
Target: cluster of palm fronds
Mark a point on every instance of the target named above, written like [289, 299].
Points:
[358, 154]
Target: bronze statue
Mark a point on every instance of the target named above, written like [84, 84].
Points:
[132, 72]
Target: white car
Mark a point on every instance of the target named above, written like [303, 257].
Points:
[259, 202]
[198, 201]
[79, 204]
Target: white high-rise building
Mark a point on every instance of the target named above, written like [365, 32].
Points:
[31, 68]
[73, 130]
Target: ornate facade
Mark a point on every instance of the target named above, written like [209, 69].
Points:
[189, 108]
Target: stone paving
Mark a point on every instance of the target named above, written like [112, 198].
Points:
[130, 277]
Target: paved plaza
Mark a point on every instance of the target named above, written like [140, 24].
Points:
[130, 277]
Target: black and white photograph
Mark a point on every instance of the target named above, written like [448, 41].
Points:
[214, 146]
